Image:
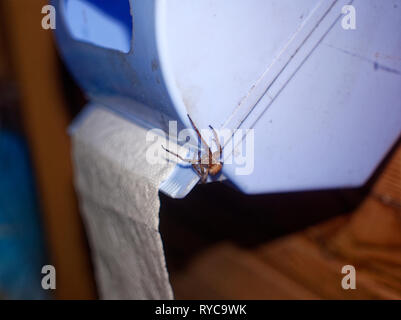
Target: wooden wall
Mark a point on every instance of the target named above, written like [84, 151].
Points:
[45, 118]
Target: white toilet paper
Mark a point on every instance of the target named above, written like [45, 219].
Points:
[118, 192]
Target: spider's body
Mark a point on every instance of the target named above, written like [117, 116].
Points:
[215, 166]
[209, 163]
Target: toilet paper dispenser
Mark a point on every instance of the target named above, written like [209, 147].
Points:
[301, 102]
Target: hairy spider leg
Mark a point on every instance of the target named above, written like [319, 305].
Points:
[179, 157]
[196, 166]
[200, 166]
[201, 138]
[205, 175]
[216, 139]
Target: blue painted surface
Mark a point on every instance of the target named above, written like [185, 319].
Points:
[323, 101]
[113, 77]
[106, 24]
[22, 252]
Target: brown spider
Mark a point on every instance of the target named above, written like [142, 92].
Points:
[208, 163]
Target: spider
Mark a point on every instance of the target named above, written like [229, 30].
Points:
[206, 164]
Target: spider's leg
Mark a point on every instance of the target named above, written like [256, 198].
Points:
[205, 175]
[196, 168]
[200, 157]
[201, 168]
[196, 161]
[178, 156]
[216, 139]
[196, 165]
[201, 138]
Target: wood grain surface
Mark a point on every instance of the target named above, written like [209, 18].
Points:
[45, 119]
[307, 264]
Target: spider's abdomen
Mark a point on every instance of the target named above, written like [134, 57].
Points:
[215, 168]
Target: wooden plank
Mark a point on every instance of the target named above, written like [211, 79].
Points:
[377, 224]
[319, 269]
[45, 120]
[4, 61]
[369, 238]
[233, 273]
[372, 241]
[388, 186]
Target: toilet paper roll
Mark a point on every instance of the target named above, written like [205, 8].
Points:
[118, 194]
